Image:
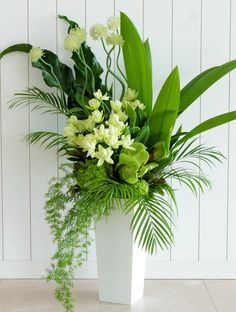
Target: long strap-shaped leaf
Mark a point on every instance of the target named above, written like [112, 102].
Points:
[202, 82]
[137, 62]
[165, 110]
[207, 125]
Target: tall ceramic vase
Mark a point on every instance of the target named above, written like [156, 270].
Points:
[120, 263]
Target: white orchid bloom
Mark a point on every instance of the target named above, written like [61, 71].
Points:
[104, 155]
[98, 95]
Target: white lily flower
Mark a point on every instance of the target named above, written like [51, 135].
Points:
[98, 95]
[116, 106]
[114, 120]
[97, 116]
[94, 104]
[101, 133]
[89, 124]
[69, 130]
[104, 155]
[88, 144]
[122, 116]
[130, 95]
[112, 139]
[126, 141]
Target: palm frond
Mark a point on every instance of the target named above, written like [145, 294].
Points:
[194, 181]
[152, 223]
[200, 152]
[40, 100]
[48, 140]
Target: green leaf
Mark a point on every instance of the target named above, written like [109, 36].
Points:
[165, 110]
[132, 115]
[137, 62]
[143, 135]
[207, 125]
[202, 82]
[21, 47]
[70, 22]
[149, 54]
[95, 67]
[55, 73]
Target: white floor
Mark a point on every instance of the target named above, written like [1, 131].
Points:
[160, 296]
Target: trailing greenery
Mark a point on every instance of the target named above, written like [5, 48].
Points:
[121, 154]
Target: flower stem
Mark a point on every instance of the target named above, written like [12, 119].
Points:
[109, 71]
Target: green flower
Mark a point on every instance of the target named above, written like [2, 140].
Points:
[133, 163]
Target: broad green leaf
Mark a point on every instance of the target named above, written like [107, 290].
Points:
[202, 82]
[165, 110]
[207, 125]
[137, 65]
[90, 60]
[55, 73]
[21, 47]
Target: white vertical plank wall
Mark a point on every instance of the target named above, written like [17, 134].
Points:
[191, 34]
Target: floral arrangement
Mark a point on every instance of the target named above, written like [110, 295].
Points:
[117, 148]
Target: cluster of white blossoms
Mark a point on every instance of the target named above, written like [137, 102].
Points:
[100, 134]
[109, 32]
[75, 38]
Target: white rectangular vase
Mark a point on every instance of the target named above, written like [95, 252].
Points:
[120, 263]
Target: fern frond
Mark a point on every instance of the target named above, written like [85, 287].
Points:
[40, 100]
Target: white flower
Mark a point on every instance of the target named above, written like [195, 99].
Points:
[98, 31]
[98, 95]
[122, 116]
[69, 130]
[141, 105]
[116, 106]
[94, 104]
[97, 116]
[79, 33]
[114, 120]
[130, 95]
[104, 154]
[35, 54]
[89, 124]
[126, 141]
[72, 43]
[113, 137]
[73, 121]
[81, 126]
[73, 140]
[88, 144]
[114, 39]
[101, 133]
[113, 22]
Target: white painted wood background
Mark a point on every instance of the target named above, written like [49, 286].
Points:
[194, 34]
